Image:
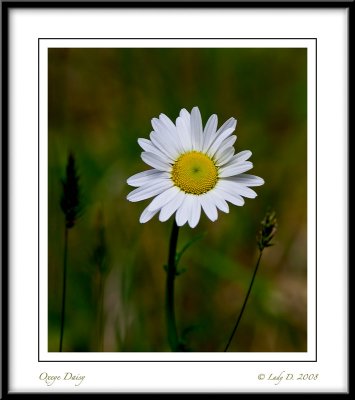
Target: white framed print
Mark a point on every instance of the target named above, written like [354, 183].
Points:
[171, 223]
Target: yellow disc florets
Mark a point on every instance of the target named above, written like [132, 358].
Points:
[194, 173]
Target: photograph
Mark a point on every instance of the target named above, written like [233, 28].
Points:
[173, 175]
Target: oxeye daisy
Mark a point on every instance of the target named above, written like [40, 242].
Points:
[193, 169]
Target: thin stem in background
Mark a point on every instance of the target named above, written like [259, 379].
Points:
[64, 287]
[245, 302]
[170, 279]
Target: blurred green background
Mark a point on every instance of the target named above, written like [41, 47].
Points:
[100, 102]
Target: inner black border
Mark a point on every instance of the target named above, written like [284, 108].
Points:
[169, 361]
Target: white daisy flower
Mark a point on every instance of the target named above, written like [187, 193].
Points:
[194, 168]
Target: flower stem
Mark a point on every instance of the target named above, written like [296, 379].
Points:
[64, 287]
[245, 301]
[170, 279]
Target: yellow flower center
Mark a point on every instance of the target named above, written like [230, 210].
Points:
[194, 173]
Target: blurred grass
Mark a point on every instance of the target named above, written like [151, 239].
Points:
[100, 102]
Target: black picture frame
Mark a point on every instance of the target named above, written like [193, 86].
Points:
[7, 204]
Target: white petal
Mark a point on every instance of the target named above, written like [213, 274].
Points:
[159, 127]
[243, 155]
[248, 180]
[149, 190]
[236, 188]
[147, 215]
[195, 212]
[184, 211]
[231, 197]
[186, 124]
[168, 123]
[196, 129]
[164, 144]
[229, 142]
[219, 201]
[163, 198]
[238, 159]
[225, 156]
[184, 134]
[155, 161]
[168, 210]
[218, 141]
[209, 206]
[164, 132]
[148, 146]
[230, 170]
[185, 115]
[230, 123]
[209, 132]
[172, 130]
[246, 192]
[144, 177]
[145, 144]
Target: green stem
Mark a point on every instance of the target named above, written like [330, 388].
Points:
[245, 301]
[170, 279]
[64, 287]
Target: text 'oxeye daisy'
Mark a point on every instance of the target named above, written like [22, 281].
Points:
[193, 169]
